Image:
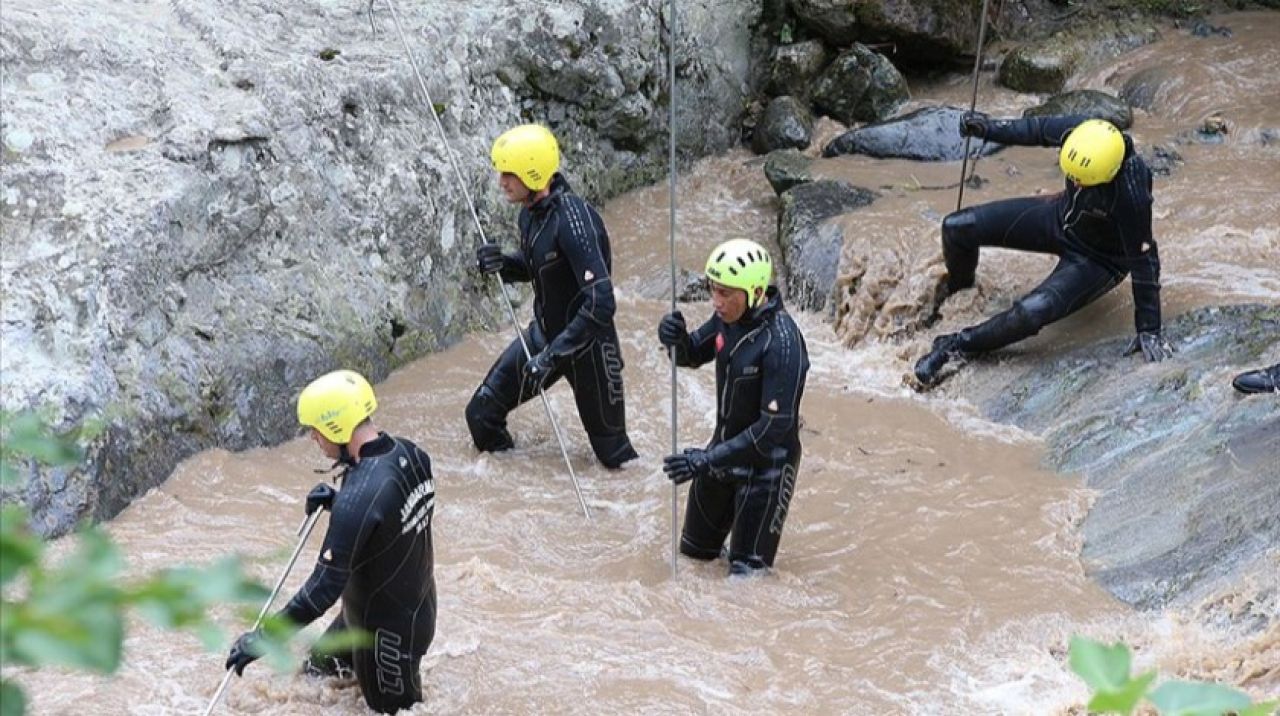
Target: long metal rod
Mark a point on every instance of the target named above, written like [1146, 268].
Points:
[973, 103]
[471, 206]
[671, 130]
[307, 525]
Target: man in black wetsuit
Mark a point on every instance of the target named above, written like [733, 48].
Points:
[743, 480]
[564, 251]
[1099, 228]
[377, 554]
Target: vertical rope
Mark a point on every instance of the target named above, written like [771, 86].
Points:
[973, 103]
[671, 130]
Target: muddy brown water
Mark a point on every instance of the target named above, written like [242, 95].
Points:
[928, 566]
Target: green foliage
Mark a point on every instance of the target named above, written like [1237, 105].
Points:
[786, 35]
[1106, 670]
[72, 614]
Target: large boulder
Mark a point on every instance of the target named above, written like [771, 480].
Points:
[859, 86]
[208, 203]
[1184, 470]
[1090, 103]
[922, 31]
[786, 124]
[787, 168]
[810, 242]
[795, 66]
[1042, 67]
[931, 134]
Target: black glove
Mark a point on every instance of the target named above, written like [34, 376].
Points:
[489, 258]
[538, 370]
[693, 462]
[245, 651]
[320, 497]
[974, 124]
[1153, 346]
[672, 331]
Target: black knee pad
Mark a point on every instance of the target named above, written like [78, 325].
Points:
[960, 230]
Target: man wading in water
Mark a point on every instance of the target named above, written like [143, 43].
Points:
[1099, 228]
[564, 251]
[377, 553]
[743, 481]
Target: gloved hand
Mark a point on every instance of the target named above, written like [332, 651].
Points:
[489, 258]
[672, 331]
[244, 652]
[320, 497]
[974, 124]
[681, 468]
[1153, 346]
[538, 370]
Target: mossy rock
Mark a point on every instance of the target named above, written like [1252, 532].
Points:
[1040, 67]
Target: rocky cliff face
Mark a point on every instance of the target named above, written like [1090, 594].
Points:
[205, 204]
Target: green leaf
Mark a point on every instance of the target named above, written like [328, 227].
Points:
[89, 639]
[1123, 699]
[19, 548]
[345, 640]
[1103, 668]
[1188, 698]
[1264, 709]
[12, 701]
[26, 434]
[9, 474]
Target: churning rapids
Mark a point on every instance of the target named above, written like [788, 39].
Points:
[929, 566]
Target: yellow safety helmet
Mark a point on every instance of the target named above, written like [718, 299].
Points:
[1092, 153]
[741, 263]
[335, 403]
[529, 151]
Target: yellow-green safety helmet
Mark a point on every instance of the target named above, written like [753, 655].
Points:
[335, 403]
[529, 151]
[1092, 153]
[744, 264]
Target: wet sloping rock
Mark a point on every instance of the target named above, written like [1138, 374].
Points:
[1039, 67]
[922, 31]
[209, 202]
[786, 124]
[931, 134]
[1186, 472]
[787, 168]
[1045, 65]
[810, 242]
[859, 86]
[1090, 103]
[795, 66]
[1147, 87]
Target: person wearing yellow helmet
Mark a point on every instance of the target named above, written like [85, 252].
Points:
[1099, 227]
[744, 479]
[564, 251]
[377, 554]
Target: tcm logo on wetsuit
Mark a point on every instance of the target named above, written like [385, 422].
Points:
[416, 512]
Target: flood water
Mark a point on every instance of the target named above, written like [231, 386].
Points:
[928, 565]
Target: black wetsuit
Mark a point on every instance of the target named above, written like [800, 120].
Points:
[564, 251]
[377, 555]
[1099, 234]
[761, 364]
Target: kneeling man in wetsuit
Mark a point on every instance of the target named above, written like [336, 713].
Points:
[377, 554]
[1099, 227]
[743, 480]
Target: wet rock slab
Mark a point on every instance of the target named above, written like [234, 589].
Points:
[1186, 470]
[931, 134]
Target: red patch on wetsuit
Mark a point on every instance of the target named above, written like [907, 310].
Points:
[719, 342]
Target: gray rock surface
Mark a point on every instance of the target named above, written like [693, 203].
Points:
[1091, 103]
[931, 134]
[795, 66]
[786, 124]
[810, 242]
[1185, 469]
[787, 168]
[859, 86]
[921, 31]
[1039, 67]
[207, 203]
